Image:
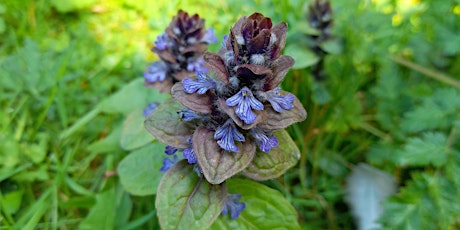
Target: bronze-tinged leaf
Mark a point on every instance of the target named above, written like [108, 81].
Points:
[247, 30]
[187, 201]
[259, 43]
[181, 75]
[198, 48]
[231, 112]
[165, 55]
[217, 164]
[162, 86]
[217, 65]
[280, 31]
[265, 23]
[236, 29]
[251, 70]
[274, 120]
[280, 68]
[273, 164]
[196, 102]
[164, 124]
[256, 17]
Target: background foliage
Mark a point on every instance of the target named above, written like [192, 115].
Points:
[71, 86]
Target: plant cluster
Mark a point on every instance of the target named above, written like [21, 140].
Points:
[231, 121]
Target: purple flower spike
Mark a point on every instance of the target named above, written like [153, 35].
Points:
[224, 43]
[264, 139]
[228, 133]
[189, 154]
[279, 102]
[169, 150]
[156, 72]
[168, 163]
[232, 205]
[150, 107]
[244, 101]
[200, 86]
[162, 42]
[209, 37]
[188, 115]
[197, 66]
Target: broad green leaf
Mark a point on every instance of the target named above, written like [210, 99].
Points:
[427, 202]
[140, 171]
[429, 149]
[320, 93]
[302, 55]
[11, 201]
[102, 214]
[217, 164]
[108, 144]
[266, 208]
[165, 125]
[133, 133]
[133, 96]
[332, 46]
[273, 164]
[186, 201]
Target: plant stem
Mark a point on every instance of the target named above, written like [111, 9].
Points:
[428, 72]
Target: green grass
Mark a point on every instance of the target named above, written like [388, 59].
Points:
[391, 84]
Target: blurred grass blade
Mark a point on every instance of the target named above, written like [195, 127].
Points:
[139, 222]
[80, 123]
[7, 174]
[30, 219]
[428, 72]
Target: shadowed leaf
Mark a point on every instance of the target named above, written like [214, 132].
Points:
[164, 124]
[275, 120]
[186, 201]
[273, 164]
[196, 102]
[216, 163]
[216, 64]
[266, 208]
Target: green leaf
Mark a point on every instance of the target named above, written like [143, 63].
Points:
[164, 124]
[102, 214]
[140, 171]
[302, 55]
[266, 208]
[133, 96]
[109, 144]
[11, 201]
[429, 149]
[72, 5]
[133, 133]
[435, 112]
[273, 164]
[332, 46]
[427, 202]
[217, 164]
[186, 201]
[320, 93]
